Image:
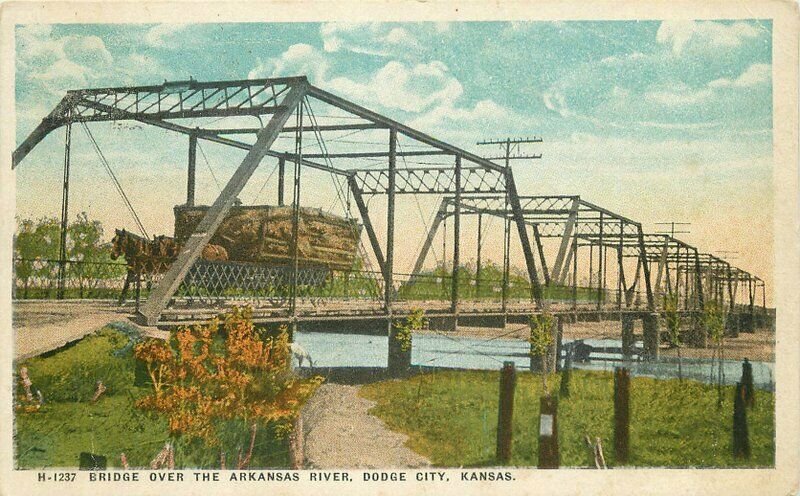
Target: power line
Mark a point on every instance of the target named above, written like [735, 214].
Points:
[116, 182]
[512, 148]
[672, 232]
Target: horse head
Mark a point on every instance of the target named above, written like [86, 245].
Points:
[118, 243]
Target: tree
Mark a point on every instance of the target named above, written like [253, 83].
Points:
[541, 339]
[714, 317]
[36, 245]
[220, 383]
[85, 246]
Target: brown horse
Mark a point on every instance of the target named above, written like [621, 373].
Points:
[144, 256]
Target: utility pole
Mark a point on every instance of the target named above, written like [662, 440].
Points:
[512, 150]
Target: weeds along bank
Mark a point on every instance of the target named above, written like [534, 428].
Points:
[219, 395]
[451, 418]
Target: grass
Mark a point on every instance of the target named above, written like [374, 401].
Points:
[451, 418]
[69, 423]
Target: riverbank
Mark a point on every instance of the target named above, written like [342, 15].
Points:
[451, 418]
[759, 345]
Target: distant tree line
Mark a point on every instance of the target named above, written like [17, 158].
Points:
[36, 254]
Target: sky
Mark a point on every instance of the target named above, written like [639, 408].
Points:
[658, 121]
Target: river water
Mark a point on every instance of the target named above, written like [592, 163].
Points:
[357, 350]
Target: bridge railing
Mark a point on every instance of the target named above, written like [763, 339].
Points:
[38, 279]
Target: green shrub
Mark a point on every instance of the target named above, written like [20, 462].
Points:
[72, 373]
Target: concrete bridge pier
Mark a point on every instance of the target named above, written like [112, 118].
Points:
[400, 344]
[652, 338]
[553, 351]
[628, 339]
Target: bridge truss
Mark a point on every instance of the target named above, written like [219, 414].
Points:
[289, 130]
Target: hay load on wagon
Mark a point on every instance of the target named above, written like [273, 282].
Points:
[263, 234]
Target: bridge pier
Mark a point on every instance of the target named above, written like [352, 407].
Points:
[552, 353]
[443, 323]
[628, 339]
[400, 344]
[652, 338]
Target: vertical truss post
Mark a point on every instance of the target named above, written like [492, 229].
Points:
[62, 246]
[506, 255]
[426, 246]
[621, 287]
[281, 180]
[559, 263]
[191, 172]
[601, 266]
[646, 270]
[456, 241]
[371, 234]
[296, 211]
[662, 264]
[538, 240]
[516, 207]
[686, 280]
[567, 263]
[575, 273]
[698, 281]
[160, 295]
[392, 173]
[731, 295]
[478, 262]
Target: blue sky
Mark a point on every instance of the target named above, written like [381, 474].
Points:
[656, 120]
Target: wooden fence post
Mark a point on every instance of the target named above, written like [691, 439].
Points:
[741, 441]
[747, 383]
[622, 383]
[566, 374]
[296, 450]
[628, 340]
[548, 432]
[505, 412]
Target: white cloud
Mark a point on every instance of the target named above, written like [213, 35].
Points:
[678, 97]
[753, 75]
[298, 60]
[163, 35]
[369, 38]
[411, 88]
[483, 113]
[555, 100]
[706, 35]
[59, 63]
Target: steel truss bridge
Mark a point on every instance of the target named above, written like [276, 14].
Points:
[577, 233]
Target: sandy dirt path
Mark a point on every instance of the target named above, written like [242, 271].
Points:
[339, 433]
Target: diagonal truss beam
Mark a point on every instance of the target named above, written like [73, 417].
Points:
[161, 294]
